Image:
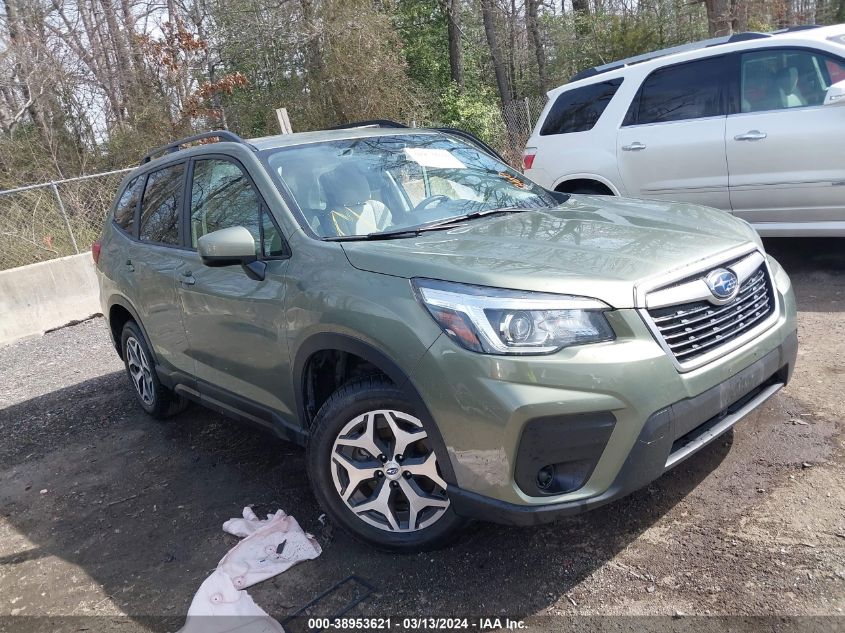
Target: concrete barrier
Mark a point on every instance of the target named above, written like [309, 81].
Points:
[47, 295]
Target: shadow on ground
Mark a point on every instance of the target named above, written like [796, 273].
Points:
[808, 255]
[137, 505]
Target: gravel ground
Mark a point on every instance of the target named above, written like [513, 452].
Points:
[104, 512]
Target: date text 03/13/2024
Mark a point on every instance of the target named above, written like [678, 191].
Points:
[416, 624]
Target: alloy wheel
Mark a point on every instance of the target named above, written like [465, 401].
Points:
[385, 470]
[139, 370]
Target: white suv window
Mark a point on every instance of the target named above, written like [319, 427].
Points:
[778, 79]
[579, 110]
[676, 93]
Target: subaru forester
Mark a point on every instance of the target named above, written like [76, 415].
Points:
[448, 339]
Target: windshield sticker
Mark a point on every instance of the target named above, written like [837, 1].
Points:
[516, 182]
[437, 158]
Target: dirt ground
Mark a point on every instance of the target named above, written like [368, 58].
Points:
[105, 512]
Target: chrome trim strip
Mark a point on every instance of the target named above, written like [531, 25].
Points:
[720, 427]
[662, 280]
[744, 268]
[689, 292]
[697, 290]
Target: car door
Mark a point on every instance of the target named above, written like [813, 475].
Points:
[784, 147]
[235, 324]
[153, 262]
[671, 144]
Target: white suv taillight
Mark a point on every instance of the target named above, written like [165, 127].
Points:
[528, 157]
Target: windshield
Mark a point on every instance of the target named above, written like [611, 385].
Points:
[383, 184]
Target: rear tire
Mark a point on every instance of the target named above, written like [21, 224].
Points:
[374, 470]
[156, 399]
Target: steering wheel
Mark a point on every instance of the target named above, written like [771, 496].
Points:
[431, 200]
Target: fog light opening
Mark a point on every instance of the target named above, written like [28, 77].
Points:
[546, 477]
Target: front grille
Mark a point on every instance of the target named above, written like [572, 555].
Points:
[693, 329]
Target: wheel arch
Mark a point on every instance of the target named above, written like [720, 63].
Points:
[571, 181]
[120, 310]
[333, 342]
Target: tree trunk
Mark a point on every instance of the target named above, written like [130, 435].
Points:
[581, 6]
[719, 17]
[495, 51]
[456, 60]
[512, 78]
[24, 69]
[121, 55]
[537, 43]
[739, 16]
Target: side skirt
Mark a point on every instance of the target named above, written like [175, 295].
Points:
[232, 405]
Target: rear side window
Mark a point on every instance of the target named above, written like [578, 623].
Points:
[678, 93]
[580, 109]
[124, 210]
[160, 205]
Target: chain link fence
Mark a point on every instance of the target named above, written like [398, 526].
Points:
[54, 219]
[519, 118]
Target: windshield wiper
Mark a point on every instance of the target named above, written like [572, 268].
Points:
[484, 213]
[384, 235]
[440, 225]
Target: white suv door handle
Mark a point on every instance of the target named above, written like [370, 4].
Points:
[751, 135]
[636, 146]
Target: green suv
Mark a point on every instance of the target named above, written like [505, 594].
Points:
[447, 339]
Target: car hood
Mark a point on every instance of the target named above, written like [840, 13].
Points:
[591, 246]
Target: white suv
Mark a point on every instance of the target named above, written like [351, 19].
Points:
[747, 123]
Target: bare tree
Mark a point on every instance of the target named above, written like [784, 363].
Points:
[719, 17]
[536, 42]
[495, 51]
[456, 61]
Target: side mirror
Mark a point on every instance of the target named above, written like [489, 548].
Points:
[234, 245]
[835, 94]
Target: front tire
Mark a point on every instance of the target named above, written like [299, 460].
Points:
[156, 399]
[374, 470]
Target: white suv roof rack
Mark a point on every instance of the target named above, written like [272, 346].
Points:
[685, 48]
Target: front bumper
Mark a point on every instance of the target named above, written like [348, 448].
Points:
[661, 444]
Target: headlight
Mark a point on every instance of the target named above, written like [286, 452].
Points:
[497, 321]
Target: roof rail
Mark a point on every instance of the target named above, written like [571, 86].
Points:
[175, 146]
[370, 123]
[797, 27]
[673, 50]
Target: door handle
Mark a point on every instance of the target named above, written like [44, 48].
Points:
[636, 146]
[188, 278]
[129, 267]
[751, 135]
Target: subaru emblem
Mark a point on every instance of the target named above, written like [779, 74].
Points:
[722, 283]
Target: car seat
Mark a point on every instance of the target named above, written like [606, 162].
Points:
[350, 203]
